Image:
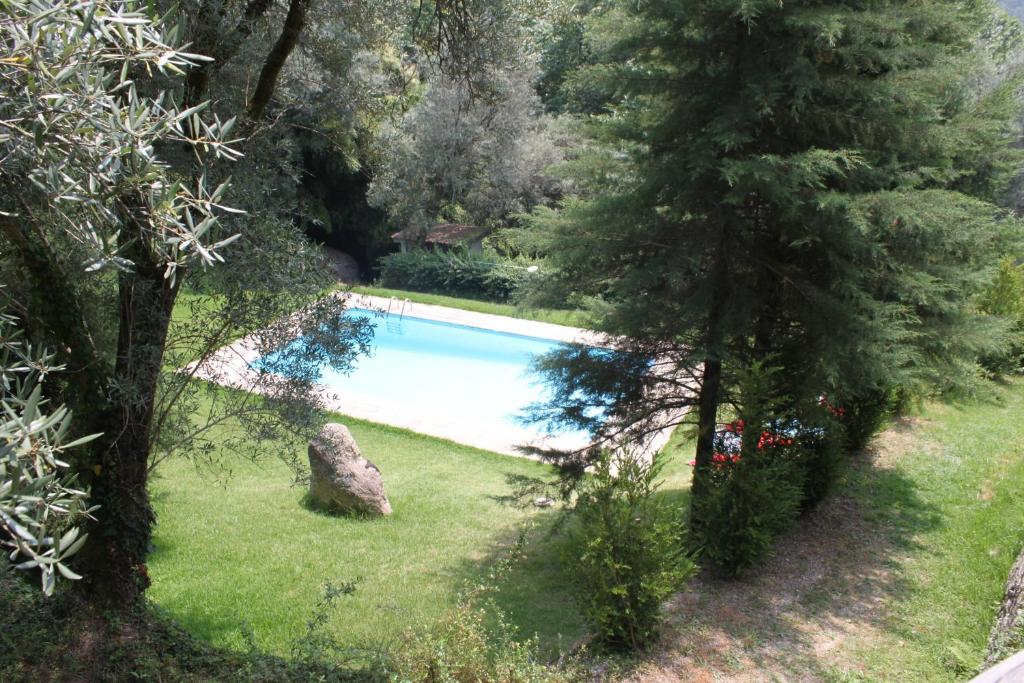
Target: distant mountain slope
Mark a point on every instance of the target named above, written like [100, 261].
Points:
[1014, 7]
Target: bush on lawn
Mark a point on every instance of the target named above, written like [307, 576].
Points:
[818, 450]
[864, 417]
[627, 552]
[752, 498]
[766, 468]
[456, 273]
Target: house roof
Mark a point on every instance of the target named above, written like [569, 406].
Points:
[442, 233]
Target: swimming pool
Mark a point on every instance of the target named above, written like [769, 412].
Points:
[466, 383]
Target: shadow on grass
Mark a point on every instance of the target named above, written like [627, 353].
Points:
[535, 597]
[310, 504]
[829, 579]
[532, 592]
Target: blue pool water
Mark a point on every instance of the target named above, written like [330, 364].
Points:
[449, 371]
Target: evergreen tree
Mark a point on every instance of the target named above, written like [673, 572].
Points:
[808, 185]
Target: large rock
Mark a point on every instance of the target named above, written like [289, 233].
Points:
[342, 479]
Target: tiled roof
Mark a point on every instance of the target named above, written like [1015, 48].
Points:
[443, 233]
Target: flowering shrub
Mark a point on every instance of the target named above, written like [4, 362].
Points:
[759, 480]
[729, 444]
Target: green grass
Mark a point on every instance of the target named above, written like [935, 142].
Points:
[558, 317]
[948, 514]
[248, 554]
[954, 506]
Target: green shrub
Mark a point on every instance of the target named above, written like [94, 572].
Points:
[486, 277]
[864, 417]
[745, 509]
[1005, 298]
[780, 459]
[627, 552]
[819, 450]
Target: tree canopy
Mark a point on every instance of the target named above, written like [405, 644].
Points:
[809, 186]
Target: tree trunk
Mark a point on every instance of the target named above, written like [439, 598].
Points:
[115, 556]
[57, 313]
[294, 22]
[711, 385]
[1008, 618]
[211, 38]
[707, 420]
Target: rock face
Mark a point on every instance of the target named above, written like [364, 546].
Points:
[342, 479]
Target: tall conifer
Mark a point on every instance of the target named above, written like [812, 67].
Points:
[808, 184]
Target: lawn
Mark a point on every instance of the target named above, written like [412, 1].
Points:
[895, 577]
[243, 552]
[954, 509]
[546, 315]
[246, 553]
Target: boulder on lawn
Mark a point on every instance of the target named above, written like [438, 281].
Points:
[342, 479]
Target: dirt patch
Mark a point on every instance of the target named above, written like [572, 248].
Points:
[826, 588]
[897, 441]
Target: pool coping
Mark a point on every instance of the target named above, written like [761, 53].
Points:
[484, 321]
[232, 366]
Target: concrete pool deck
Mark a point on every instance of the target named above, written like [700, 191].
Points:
[233, 366]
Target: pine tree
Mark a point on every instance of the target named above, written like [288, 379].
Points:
[809, 185]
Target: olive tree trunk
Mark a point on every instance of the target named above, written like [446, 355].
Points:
[1008, 618]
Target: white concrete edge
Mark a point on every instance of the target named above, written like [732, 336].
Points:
[1010, 670]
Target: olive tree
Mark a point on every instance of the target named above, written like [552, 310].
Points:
[456, 156]
[99, 232]
[41, 508]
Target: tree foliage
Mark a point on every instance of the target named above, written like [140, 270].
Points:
[41, 508]
[809, 186]
[458, 157]
[100, 241]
